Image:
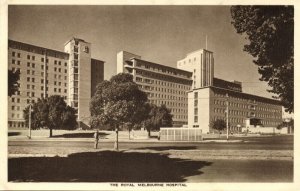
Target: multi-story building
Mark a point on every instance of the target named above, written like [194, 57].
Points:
[207, 95]
[208, 99]
[163, 84]
[72, 74]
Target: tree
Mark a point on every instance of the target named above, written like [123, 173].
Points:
[270, 31]
[13, 84]
[157, 117]
[51, 113]
[218, 125]
[117, 102]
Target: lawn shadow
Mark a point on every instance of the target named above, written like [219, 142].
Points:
[104, 166]
[169, 148]
[13, 133]
[79, 135]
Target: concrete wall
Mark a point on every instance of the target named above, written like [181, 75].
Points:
[203, 109]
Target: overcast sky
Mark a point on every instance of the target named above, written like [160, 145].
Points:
[161, 34]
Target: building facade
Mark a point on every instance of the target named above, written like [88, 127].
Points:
[195, 96]
[209, 104]
[72, 74]
[163, 84]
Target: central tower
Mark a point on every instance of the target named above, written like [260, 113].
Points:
[79, 77]
[201, 63]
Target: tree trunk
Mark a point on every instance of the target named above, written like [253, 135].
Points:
[50, 135]
[116, 145]
[128, 134]
[149, 133]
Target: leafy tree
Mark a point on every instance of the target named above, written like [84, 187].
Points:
[51, 113]
[157, 117]
[218, 125]
[13, 84]
[270, 31]
[117, 102]
[289, 123]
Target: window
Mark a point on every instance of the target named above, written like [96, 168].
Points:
[13, 54]
[66, 64]
[59, 63]
[28, 64]
[55, 69]
[33, 57]
[55, 62]
[18, 100]
[65, 70]
[59, 69]
[28, 71]
[196, 103]
[196, 95]
[195, 119]
[12, 107]
[42, 59]
[28, 79]
[32, 79]
[42, 67]
[32, 72]
[28, 57]
[33, 65]
[19, 55]
[28, 86]
[42, 81]
[33, 87]
[19, 62]
[32, 94]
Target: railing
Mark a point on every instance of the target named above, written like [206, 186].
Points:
[181, 134]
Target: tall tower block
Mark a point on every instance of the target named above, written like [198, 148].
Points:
[79, 77]
[201, 63]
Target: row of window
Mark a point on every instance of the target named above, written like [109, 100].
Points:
[18, 62]
[166, 80]
[158, 82]
[160, 69]
[245, 106]
[16, 124]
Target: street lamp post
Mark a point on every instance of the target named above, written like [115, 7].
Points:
[227, 112]
[29, 121]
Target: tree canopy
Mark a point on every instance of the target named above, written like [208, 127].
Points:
[117, 102]
[51, 113]
[270, 32]
[158, 116]
[218, 125]
[13, 84]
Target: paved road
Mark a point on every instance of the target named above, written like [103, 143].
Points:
[84, 166]
[250, 143]
[245, 171]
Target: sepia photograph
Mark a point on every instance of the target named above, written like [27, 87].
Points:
[149, 96]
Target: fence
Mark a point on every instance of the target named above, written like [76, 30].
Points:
[180, 134]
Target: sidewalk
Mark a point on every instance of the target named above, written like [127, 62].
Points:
[112, 139]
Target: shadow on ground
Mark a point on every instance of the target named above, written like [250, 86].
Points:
[13, 134]
[104, 166]
[169, 148]
[79, 135]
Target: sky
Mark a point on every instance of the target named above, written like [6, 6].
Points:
[160, 34]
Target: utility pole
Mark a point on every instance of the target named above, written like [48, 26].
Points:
[227, 113]
[29, 121]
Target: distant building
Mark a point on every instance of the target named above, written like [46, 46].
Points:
[72, 74]
[163, 84]
[195, 96]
